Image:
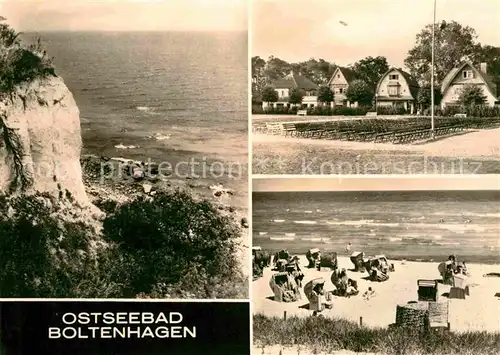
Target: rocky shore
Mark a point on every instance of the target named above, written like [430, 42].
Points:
[117, 180]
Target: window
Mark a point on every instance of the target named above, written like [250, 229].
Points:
[341, 91]
[338, 76]
[393, 90]
[467, 74]
[393, 77]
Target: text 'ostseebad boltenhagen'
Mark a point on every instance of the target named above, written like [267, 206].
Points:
[122, 325]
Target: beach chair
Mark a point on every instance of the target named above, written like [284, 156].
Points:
[457, 293]
[427, 290]
[312, 256]
[357, 259]
[439, 315]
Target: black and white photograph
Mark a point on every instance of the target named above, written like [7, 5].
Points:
[376, 266]
[124, 149]
[355, 87]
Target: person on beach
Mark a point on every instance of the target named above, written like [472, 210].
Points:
[318, 261]
[348, 248]
[315, 293]
[368, 294]
[294, 270]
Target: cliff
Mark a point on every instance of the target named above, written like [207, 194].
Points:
[40, 141]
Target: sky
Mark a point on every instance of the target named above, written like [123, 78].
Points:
[302, 29]
[125, 15]
[357, 183]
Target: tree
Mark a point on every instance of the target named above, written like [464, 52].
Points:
[269, 94]
[295, 97]
[424, 96]
[453, 43]
[171, 237]
[276, 69]
[359, 91]
[472, 95]
[258, 78]
[325, 94]
[491, 56]
[319, 71]
[371, 69]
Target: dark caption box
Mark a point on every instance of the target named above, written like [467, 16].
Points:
[102, 328]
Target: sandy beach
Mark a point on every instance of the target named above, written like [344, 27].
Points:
[478, 312]
[473, 152]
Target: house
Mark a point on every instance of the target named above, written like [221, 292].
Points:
[294, 81]
[339, 82]
[466, 73]
[397, 88]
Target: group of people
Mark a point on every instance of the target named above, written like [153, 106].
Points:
[450, 268]
[344, 286]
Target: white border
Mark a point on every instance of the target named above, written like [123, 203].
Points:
[250, 164]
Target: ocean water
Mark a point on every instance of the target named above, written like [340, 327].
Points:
[174, 97]
[411, 225]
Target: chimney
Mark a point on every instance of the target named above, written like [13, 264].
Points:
[484, 68]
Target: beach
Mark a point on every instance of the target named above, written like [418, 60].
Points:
[478, 312]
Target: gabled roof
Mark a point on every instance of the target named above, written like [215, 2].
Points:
[488, 79]
[348, 74]
[410, 80]
[292, 81]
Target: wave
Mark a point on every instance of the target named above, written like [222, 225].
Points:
[363, 222]
[395, 239]
[308, 211]
[121, 146]
[282, 238]
[142, 108]
[315, 239]
[279, 220]
[160, 136]
[305, 222]
[262, 233]
[290, 234]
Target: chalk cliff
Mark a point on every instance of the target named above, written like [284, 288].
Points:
[40, 141]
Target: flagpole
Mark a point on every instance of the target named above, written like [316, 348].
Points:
[432, 71]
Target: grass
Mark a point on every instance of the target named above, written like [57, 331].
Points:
[321, 334]
[307, 159]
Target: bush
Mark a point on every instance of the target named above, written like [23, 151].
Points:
[391, 110]
[172, 243]
[473, 111]
[281, 110]
[41, 255]
[20, 63]
[322, 334]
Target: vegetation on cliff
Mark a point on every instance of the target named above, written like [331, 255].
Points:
[19, 62]
[166, 246]
[171, 246]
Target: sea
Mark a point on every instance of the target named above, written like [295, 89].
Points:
[411, 225]
[178, 98]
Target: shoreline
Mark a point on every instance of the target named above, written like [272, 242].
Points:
[469, 259]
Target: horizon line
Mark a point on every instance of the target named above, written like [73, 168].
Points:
[129, 31]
